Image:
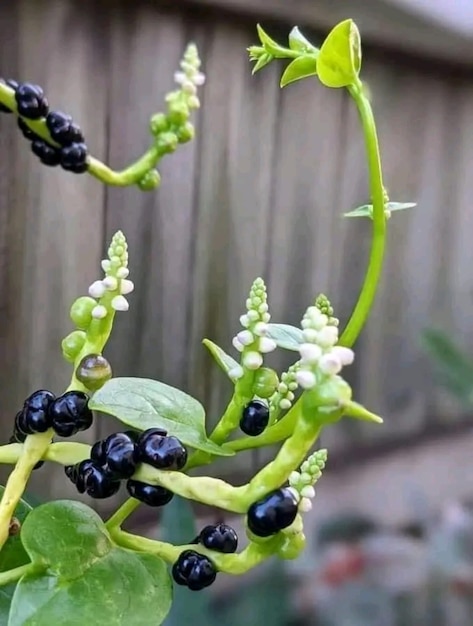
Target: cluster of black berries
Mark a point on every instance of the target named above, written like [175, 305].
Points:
[117, 458]
[255, 418]
[67, 415]
[32, 105]
[196, 571]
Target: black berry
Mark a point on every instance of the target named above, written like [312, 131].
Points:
[194, 570]
[46, 153]
[34, 418]
[272, 513]
[26, 130]
[255, 418]
[97, 453]
[74, 158]
[30, 101]
[120, 455]
[221, 538]
[69, 413]
[161, 451]
[13, 84]
[92, 479]
[152, 495]
[62, 129]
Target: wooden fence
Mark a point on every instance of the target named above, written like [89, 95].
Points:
[259, 192]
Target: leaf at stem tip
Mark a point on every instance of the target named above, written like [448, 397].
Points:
[339, 61]
[302, 67]
[271, 46]
[144, 403]
[358, 411]
[286, 336]
[366, 210]
[88, 578]
[224, 360]
[299, 43]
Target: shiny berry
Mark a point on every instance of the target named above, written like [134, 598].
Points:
[97, 452]
[120, 456]
[255, 418]
[194, 570]
[26, 130]
[40, 400]
[221, 538]
[69, 413]
[272, 513]
[93, 371]
[152, 495]
[151, 432]
[35, 415]
[13, 84]
[92, 479]
[30, 101]
[62, 129]
[161, 451]
[47, 154]
[74, 158]
[72, 472]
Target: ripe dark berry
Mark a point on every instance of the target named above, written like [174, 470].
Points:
[120, 456]
[272, 513]
[26, 130]
[69, 413]
[151, 432]
[62, 129]
[193, 570]
[255, 418]
[161, 451]
[152, 495]
[221, 538]
[34, 418]
[92, 479]
[74, 158]
[40, 400]
[97, 452]
[72, 472]
[46, 153]
[30, 101]
[13, 84]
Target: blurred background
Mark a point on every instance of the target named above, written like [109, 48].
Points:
[261, 191]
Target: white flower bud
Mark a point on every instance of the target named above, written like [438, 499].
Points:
[306, 379]
[290, 396]
[283, 388]
[305, 505]
[310, 335]
[120, 303]
[245, 337]
[328, 336]
[199, 79]
[295, 493]
[99, 312]
[346, 355]
[330, 364]
[249, 303]
[265, 317]
[245, 321]
[306, 323]
[236, 372]
[292, 386]
[308, 492]
[237, 344]
[310, 353]
[285, 404]
[252, 360]
[294, 479]
[260, 329]
[253, 315]
[263, 307]
[106, 265]
[306, 478]
[267, 345]
[110, 282]
[97, 289]
[180, 77]
[122, 272]
[126, 286]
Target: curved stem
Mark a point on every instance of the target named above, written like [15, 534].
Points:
[121, 514]
[370, 285]
[13, 575]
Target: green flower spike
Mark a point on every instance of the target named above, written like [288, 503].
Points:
[304, 480]
[283, 398]
[324, 306]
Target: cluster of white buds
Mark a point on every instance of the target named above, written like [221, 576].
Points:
[303, 481]
[189, 78]
[284, 396]
[320, 356]
[252, 342]
[115, 281]
[324, 306]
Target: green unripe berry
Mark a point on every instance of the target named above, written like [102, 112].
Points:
[159, 123]
[167, 142]
[266, 382]
[150, 181]
[185, 133]
[93, 371]
[178, 113]
[81, 311]
[73, 344]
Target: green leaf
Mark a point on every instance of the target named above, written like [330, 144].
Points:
[12, 555]
[366, 210]
[88, 579]
[271, 46]
[224, 360]
[286, 336]
[302, 67]
[339, 60]
[353, 409]
[143, 403]
[299, 43]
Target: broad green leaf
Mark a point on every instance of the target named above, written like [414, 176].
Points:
[286, 336]
[366, 210]
[12, 555]
[302, 67]
[224, 360]
[271, 46]
[178, 527]
[299, 43]
[339, 60]
[88, 579]
[143, 403]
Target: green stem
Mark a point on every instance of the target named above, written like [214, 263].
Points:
[13, 575]
[120, 515]
[235, 564]
[370, 285]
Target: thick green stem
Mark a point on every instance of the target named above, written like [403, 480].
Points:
[373, 273]
[121, 514]
[13, 575]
